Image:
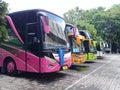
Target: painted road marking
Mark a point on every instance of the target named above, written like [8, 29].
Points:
[111, 59]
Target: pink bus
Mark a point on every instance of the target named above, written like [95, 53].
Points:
[36, 43]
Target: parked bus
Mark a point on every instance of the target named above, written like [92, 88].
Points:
[36, 43]
[76, 44]
[99, 45]
[89, 47]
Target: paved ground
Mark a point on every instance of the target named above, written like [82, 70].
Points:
[98, 75]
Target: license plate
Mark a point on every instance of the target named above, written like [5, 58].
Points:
[64, 67]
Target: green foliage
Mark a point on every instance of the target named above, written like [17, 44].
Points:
[72, 15]
[83, 19]
[82, 25]
[100, 22]
[3, 11]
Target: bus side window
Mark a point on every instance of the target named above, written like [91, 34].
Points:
[11, 37]
[32, 40]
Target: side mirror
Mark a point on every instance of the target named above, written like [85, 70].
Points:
[90, 42]
[83, 38]
[45, 24]
[78, 40]
[74, 32]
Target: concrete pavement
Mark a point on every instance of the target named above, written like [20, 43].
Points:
[98, 75]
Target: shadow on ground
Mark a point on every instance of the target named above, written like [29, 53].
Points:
[100, 57]
[87, 62]
[42, 78]
[79, 67]
[39, 78]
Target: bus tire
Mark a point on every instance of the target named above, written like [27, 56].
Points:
[10, 68]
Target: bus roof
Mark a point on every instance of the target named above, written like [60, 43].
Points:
[33, 10]
[68, 24]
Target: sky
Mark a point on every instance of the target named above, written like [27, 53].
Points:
[58, 6]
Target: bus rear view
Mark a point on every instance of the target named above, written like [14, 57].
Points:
[36, 43]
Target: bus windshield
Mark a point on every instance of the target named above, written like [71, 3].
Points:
[69, 30]
[56, 38]
[92, 49]
[75, 47]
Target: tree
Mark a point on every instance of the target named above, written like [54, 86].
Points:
[105, 23]
[72, 15]
[81, 19]
[3, 11]
[82, 25]
[108, 25]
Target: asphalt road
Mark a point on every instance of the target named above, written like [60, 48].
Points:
[102, 74]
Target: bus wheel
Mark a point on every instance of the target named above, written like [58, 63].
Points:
[11, 68]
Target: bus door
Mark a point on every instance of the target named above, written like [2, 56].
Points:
[32, 44]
